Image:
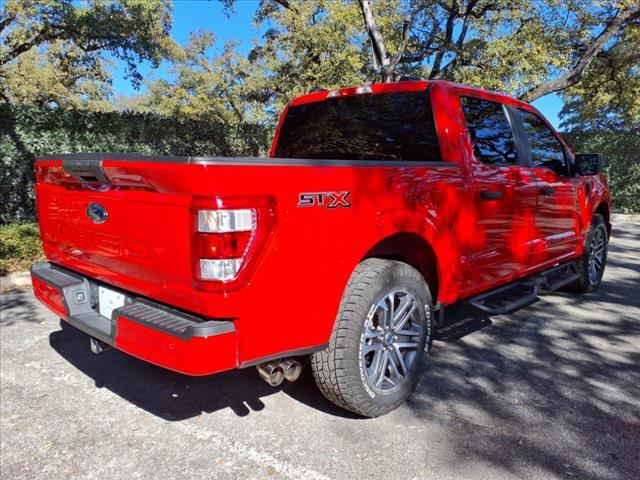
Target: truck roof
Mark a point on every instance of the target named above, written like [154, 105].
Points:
[404, 86]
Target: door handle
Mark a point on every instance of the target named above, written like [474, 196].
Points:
[546, 191]
[489, 195]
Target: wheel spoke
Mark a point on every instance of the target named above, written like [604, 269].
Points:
[405, 303]
[373, 347]
[384, 319]
[391, 301]
[373, 370]
[407, 345]
[408, 333]
[394, 366]
[406, 315]
[400, 359]
[371, 332]
[382, 370]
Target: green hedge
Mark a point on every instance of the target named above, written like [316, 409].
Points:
[28, 132]
[19, 247]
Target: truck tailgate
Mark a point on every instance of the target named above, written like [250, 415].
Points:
[130, 224]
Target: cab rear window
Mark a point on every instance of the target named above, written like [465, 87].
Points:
[386, 127]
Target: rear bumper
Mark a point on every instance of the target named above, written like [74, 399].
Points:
[152, 332]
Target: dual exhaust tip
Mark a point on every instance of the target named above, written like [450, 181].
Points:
[274, 373]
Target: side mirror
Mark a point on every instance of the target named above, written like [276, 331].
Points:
[588, 163]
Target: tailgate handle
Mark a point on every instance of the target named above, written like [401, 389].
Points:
[86, 171]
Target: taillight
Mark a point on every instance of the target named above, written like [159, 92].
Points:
[228, 238]
[224, 238]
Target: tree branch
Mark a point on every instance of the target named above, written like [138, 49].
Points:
[47, 34]
[454, 11]
[384, 63]
[573, 76]
[6, 21]
[406, 29]
[380, 54]
[287, 5]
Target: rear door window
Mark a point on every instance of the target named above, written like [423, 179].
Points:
[490, 131]
[378, 127]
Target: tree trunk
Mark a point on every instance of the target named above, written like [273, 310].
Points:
[383, 63]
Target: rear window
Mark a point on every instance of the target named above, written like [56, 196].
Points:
[386, 127]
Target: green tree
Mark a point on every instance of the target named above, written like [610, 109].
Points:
[306, 45]
[609, 92]
[602, 115]
[57, 46]
[213, 83]
[60, 75]
[526, 48]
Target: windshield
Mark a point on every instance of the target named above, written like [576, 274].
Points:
[386, 127]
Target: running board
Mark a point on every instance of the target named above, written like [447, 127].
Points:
[559, 276]
[521, 293]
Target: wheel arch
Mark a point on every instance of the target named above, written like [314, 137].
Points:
[603, 210]
[413, 249]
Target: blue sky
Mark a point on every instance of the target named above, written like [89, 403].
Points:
[192, 15]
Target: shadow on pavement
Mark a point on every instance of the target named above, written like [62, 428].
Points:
[173, 396]
[557, 389]
[15, 309]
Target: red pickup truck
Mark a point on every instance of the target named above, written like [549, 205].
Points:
[379, 206]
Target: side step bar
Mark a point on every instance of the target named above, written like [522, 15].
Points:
[521, 293]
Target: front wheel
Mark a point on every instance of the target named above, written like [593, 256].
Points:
[593, 260]
[383, 329]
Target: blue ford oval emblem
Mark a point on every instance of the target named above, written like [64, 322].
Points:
[97, 213]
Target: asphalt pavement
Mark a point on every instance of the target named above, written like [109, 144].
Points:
[552, 391]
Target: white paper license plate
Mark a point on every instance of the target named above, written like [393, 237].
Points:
[108, 301]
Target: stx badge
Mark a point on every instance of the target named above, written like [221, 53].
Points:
[324, 199]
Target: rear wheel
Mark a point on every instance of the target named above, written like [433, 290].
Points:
[592, 263]
[383, 329]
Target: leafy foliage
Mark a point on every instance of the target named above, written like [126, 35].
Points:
[610, 91]
[317, 43]
[20, 246]
[59, 75]
[524, 48]
[602, 115]
[620, 149]
[210, 84]
[51, 51]
[27, 132]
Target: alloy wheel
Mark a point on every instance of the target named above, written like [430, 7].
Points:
[391, 339]
[597, 251]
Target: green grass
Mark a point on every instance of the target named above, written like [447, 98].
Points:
[20, 246]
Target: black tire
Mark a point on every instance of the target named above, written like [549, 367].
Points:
[588, 282]
[341, 371]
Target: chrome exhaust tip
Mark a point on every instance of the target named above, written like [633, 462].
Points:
[98, 346]
[292, 369]
[271, 372]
